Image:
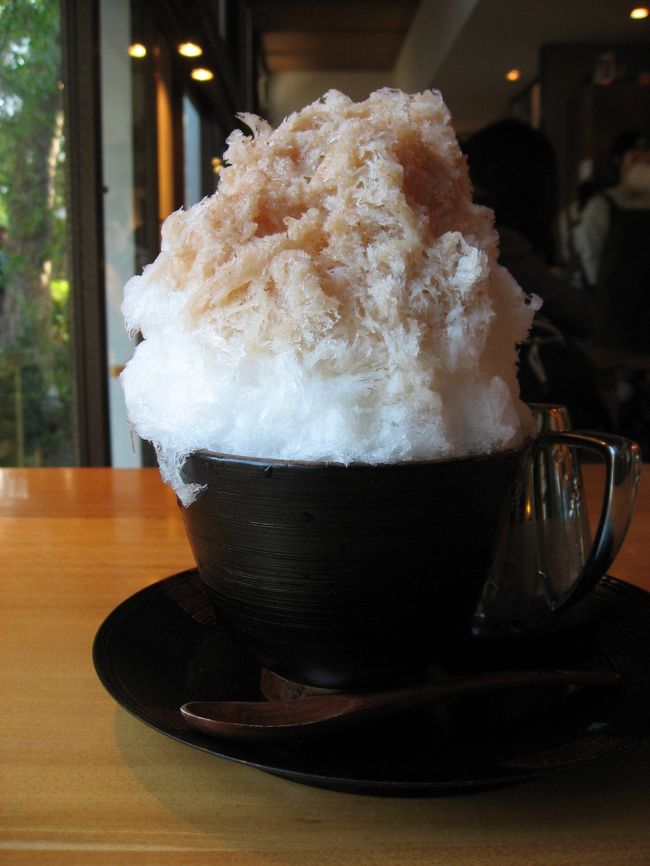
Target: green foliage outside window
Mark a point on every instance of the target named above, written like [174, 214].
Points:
[35, 358]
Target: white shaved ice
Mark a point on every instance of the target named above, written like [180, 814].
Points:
[338, 298]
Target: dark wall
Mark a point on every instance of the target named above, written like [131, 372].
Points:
[580, 118]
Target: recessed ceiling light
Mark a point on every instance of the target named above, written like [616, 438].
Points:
[513, 74]
[639, 12]
[201, 74]
[137, 50]
[190, 49]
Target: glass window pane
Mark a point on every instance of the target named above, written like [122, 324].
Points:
[119, 206]
[36, 384]
[192, 152]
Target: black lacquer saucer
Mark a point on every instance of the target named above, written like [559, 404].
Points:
[165, 645]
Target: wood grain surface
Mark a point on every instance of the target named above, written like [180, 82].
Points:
[84, 783]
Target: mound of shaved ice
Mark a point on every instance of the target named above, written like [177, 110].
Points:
[338, 298]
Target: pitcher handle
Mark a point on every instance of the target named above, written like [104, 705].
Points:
[623, 473]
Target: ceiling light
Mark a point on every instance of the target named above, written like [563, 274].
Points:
[639, 12]
[201, 74]
[137, 50]
[190, 49]
[513, 74]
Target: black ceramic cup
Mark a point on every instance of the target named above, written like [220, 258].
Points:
[347, 576]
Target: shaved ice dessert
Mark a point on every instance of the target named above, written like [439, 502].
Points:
[337, 299]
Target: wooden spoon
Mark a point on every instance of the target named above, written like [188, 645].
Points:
[288, 719]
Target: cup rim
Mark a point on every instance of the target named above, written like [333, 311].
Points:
[210, 456]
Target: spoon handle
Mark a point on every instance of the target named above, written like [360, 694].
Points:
[474, 684]
[284, 719]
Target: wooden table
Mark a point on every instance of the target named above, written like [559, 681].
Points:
[85, 783]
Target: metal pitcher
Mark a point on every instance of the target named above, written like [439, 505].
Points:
[546, 561]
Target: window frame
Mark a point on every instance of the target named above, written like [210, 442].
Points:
[82, 109]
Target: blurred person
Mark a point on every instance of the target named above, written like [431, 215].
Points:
[613, 242]
[514, 172]
[568, 218]
[513, 169]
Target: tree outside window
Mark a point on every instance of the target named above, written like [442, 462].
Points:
[36, 402]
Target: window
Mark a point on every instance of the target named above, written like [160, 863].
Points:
[119, 211]
[98, 143]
